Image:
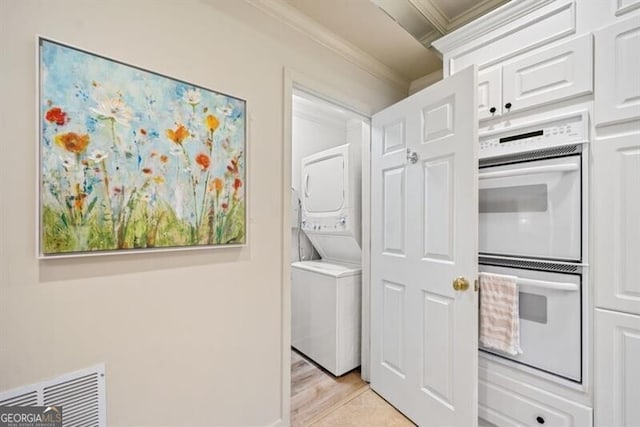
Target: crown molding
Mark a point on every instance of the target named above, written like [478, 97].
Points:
[497, 18]
[469, 15]
[302, 23]
[434, 15]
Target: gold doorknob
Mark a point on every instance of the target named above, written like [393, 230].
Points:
[460, 284]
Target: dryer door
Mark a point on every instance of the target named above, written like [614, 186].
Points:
[324, 181]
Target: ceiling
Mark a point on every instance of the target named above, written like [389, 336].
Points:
[397, 33]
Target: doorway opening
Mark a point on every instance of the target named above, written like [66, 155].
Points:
[327, 141]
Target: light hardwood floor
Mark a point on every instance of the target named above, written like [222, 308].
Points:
[322, 400]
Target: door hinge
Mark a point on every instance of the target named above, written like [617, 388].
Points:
[475, 285]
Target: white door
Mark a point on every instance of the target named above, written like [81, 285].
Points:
[424, 231]
[617, 66]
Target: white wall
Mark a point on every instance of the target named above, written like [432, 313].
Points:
[189, 338]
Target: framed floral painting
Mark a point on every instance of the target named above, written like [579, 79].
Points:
[132, 160]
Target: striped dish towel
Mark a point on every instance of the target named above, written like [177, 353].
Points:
[499, 313]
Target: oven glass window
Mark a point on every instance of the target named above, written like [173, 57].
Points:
[521, 198]
[533, 307]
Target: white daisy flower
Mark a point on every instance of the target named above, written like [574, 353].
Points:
[98, 156]
[114, 109]
[193, 97]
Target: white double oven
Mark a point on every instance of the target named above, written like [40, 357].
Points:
[532, 207]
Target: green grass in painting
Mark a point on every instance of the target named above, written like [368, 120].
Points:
[157, 229]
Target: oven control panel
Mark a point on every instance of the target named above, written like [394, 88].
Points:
[566, 130]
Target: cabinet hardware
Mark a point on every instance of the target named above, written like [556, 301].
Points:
[412, 156]
[507, 105]
[492, 110]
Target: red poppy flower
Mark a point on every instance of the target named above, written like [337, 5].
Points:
[203, 160]
[57, 116]
[237, 183]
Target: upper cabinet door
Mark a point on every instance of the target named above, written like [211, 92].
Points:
[552, 75]
[490, 93]
[617, 68]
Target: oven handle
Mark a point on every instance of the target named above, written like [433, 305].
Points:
[556, 286]
[563, 167]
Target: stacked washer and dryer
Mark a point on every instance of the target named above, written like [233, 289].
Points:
[326, 293]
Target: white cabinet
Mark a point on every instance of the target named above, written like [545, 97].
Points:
[617, 72]
[617, 360]
[616, 222]
[537, 79]
[507, 402]
[490, 93]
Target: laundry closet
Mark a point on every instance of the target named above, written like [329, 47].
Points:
[326, 232]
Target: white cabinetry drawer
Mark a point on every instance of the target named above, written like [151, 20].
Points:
[555, 74]
[509, 403]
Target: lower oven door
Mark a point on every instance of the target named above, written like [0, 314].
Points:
[532, 209]
[550, 321]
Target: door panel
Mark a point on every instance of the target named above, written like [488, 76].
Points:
[438, 209]
[554, 74]
[424, 234]
[490, 93]
[394, 211]
[393, 326]
[617, 67]
[437, 370]
[617, 369]
[438, 120]
[394, 137]
[616, 211]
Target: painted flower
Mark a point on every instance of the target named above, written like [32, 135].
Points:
[225, 206]
[217, 184]
[203, 160]
[147, 171]
[98, 156]
[237, 183]
[114, 109]
[158, 179]
[57, 116]
[164, 158]
[68, 162]
[212, 122]
[227, 110]
[193, 97]
[178, 135]
[233, 166]
[72, 142]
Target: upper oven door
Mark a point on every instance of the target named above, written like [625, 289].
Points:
[532, 209]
